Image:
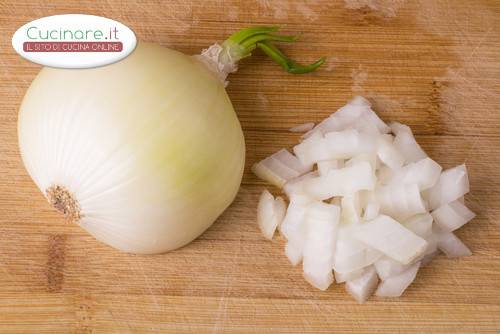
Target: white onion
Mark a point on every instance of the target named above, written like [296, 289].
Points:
[406, 144]
[372, 210]
[385, 188]
[144, 153]
[279, 168]
[325, 166]
[357, 113]
[339, 182]
[391, 238]
[319, 247]
[295, 214]
[400, 200]
[333, 145]
[387, 267]
[371, 158]
[420, 224]
[394, 286]
[452, 216]
[363, 287]
[452, 246]
[351, 208]
[350, 253]
[270, 213]
[347, 276]
[425, 173]
[452, 184]
[295, 187]
[388, 153]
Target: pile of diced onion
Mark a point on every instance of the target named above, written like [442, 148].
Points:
[367, 206]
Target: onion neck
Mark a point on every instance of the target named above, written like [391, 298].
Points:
[222, 59]
[64, 202]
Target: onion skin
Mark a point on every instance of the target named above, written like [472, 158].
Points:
[150, 147]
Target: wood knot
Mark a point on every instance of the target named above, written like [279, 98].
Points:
[64, 201]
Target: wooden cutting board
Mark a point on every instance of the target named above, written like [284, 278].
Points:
[434, 65]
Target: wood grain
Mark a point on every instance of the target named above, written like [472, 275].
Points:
[434, 65]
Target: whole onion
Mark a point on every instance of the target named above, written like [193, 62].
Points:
[145, 153]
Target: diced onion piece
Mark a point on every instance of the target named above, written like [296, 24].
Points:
[395, 286]
[420, 224]
[391, 238]
[406, 144]
[356, 113]
[387, 267]
[319, 247]
[384, 175]
[400, 200]
[432, 243]
[333, 145]
[452, 246]
[351, 208]
[372, 210]
[326, 165]
[371, 158]
[388, 153]
[340, 182]
[363, 287]
[348, 143]
[452, 184]
[296, 186]
[425, 173]
[348, 276]
[295, 215]
[397, 127]
[312, 149]
[351, 254]
[280, 167]
[452, 216]
[294, 248]
[302, 127]
[270, 213]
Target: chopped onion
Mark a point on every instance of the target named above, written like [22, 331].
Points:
[348, 276]
[425, 173]
[452, 246]
[325, 166]
[343, 181]
[420, 224]
[319, 247]
[279, 168]
[350, 253]
[363, 287]
[452, 184]
[394, 286]
[381, 190]
[270, 213]
[302, 127]
[400, 200]
[333, 145]
[391, 238]
[351, 208]
[387, 267]
[406, 144]
[388, 153]
[452, 216]
[372, 210]
[296, 186]
[371, 158]
[295, 215]
[356, 113]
